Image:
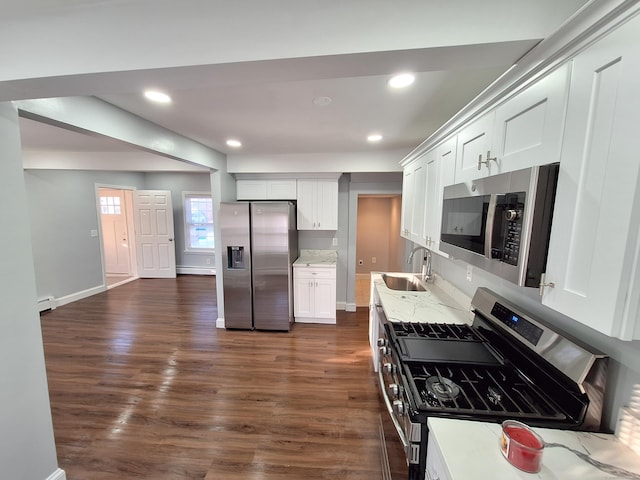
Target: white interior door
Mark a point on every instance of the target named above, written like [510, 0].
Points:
[115, 234]
[153, 215]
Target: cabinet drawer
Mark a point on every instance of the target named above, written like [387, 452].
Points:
[306, 272]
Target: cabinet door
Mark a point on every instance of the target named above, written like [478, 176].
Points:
[528, 127]
[281, 189]
[327, 205]
[251, 190]
[418, 199]
[407, 204]
[306, 195]
[474, 141]
[303, 289]
[440, 172]
[325, 298]
[594, 239]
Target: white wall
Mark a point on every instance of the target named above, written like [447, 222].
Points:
[27, 448]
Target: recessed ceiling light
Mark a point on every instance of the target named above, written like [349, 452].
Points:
[374, 137]
[322, 101]
[401, 80]
[234, 143]
[157, 96]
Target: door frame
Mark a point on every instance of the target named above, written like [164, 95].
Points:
[131, 232]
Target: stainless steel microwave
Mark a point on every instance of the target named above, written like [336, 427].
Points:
[502, 223]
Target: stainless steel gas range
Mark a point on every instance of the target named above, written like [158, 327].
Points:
[505, 365]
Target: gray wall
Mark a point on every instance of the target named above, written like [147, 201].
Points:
[178, 183]
[624, 366]
[27, 448]
[62, 211]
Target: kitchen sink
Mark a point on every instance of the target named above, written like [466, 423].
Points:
[408, 284]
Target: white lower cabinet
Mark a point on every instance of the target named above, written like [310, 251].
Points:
[314, 294]
[594, 247]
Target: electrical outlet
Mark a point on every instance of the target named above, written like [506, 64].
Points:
[374, 259]
[469, 272]
[360, 262]
[334, 242]
[93, 233]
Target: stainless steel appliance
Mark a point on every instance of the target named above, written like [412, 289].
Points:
[502, 223]
[259, 246]
[506, 365]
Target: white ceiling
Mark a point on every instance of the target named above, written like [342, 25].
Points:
[267, 103]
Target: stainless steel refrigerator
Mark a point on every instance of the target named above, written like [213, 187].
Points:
[259, 246]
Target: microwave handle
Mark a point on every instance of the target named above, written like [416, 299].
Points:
[488, 228]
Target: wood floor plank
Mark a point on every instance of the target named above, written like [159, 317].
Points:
[143, 385]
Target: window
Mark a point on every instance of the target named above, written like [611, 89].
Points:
[110, 205]
[198, 220]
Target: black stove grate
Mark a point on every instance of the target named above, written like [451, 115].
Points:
[441, 331]
[495, 391]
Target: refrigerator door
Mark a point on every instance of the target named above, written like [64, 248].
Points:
[272, 265]
[236, 265]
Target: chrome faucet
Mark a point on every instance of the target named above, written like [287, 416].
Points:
[426, 274]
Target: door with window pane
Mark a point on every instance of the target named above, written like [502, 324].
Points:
[115, 236]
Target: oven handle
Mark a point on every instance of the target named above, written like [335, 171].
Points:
[488, 228]
[396, 424]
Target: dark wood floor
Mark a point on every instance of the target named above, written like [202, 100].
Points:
[143, 385]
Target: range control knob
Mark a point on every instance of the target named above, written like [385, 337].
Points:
[398, 406]
[512, 215]
[382, 342]
[394, 390]
[388, 367]
[383, 350]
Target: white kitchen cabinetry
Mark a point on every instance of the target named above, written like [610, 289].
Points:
[284, 189]
[314, 294]
[440, 166]
[594, 245]
[524, 131]
[317, 204]
[413, 194]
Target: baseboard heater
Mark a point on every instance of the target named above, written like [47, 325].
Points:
[48, 303]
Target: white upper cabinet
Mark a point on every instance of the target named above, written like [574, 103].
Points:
[473, 143]
[408, 198]
[524, 131]
[278, 189]
[440, 165]
[317, 204]
[594, 246]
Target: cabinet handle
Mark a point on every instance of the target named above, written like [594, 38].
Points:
[544, 283]
[486, 162]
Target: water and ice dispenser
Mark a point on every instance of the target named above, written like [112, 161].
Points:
[235, 257]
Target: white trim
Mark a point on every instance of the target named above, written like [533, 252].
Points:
[126, 279]
[340, 305]
[59, 474]
[80, 295]
[351, 307]
[220, 322]
[182, 270]
[327, 321]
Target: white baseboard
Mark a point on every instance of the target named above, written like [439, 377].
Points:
[328, 321]
[220, 322]
[350, 307]
[195, 271]
[341, 305]
[58, 475]
[80, 295]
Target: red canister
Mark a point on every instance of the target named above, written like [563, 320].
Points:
[521, 446]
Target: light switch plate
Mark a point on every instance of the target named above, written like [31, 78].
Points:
[469, 272]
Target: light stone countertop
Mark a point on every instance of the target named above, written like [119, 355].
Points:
[317, 258]
[470, 450]
[440, 303]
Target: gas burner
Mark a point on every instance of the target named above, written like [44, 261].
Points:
[442, 389]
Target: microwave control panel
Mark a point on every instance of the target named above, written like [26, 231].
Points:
[513, 213]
